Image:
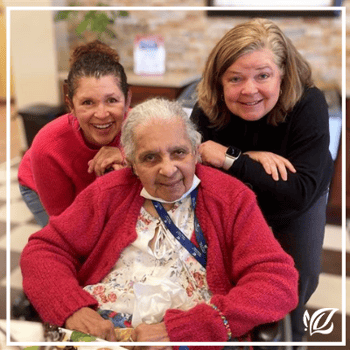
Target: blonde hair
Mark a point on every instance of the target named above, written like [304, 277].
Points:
[256, 34]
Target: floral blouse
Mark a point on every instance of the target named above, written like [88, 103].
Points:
[155, 273]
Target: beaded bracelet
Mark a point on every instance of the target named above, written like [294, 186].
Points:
[224, 320]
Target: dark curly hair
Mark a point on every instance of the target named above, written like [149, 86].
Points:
[95, 59]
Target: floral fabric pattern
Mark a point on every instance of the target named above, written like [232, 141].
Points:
[154, 267]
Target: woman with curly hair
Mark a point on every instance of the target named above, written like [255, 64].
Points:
[71, 151]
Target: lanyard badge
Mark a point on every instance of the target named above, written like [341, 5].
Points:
[199, 254]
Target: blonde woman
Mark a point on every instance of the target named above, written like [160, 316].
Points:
[264, 122]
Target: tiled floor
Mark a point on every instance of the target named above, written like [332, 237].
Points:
[328, 294]
[22, 225]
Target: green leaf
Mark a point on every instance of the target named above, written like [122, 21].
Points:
[111, 33]
[79, 336]
[100, 23]
[90, 15]
[82, 26]
[123, 13]
[62, 15]
[32, 348]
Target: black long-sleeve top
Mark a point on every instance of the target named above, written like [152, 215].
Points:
[303, 139]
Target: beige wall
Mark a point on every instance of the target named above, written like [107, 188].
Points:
[189, 38]
[2, 52]
[33, 55]
[190, 35]
[33, 58]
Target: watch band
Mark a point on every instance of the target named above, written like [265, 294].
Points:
[232, 154]
[228, 162]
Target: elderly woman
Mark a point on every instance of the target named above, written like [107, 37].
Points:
[161, 246]
[71, 151]
[264, 122]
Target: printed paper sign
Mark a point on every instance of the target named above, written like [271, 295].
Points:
[149, 55]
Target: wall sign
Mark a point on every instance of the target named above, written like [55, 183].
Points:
[149, 55]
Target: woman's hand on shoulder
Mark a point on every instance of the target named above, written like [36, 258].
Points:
[89, 321]
[107, 157]
[273, 164]
[212, 153]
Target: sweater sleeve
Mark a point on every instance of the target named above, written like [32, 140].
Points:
[54, 186]
[263, 281]
[307, 150]
[53, 152]
[53, 256]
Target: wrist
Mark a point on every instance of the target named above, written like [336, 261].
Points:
[231, 155]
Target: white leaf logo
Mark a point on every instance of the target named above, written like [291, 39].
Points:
[306, 319]
[313, 323]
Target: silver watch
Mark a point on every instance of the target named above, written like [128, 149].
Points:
[232, 154]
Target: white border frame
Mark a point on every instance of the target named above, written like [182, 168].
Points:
[8, 180]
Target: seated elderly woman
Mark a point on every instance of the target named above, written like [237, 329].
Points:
[161, 246]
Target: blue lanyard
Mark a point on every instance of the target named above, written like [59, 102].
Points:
[199, 254]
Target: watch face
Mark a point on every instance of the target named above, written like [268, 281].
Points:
[233, 152]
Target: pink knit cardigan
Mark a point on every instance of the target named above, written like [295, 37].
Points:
[252, 279]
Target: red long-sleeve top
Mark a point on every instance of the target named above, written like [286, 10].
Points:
[56, 164]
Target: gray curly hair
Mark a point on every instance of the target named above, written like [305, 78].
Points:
[152, 110]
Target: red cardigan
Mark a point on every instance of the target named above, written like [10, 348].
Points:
[252, 279]
[56, 164]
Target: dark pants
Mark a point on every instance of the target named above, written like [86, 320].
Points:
[302, 238]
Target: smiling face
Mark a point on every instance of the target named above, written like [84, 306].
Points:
[100, 107]
[164, 159]
[251, 85]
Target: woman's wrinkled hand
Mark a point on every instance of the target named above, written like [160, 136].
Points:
[107, 157]
[274, 164]
[212, 153]
[88, 321]
[150, 333]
